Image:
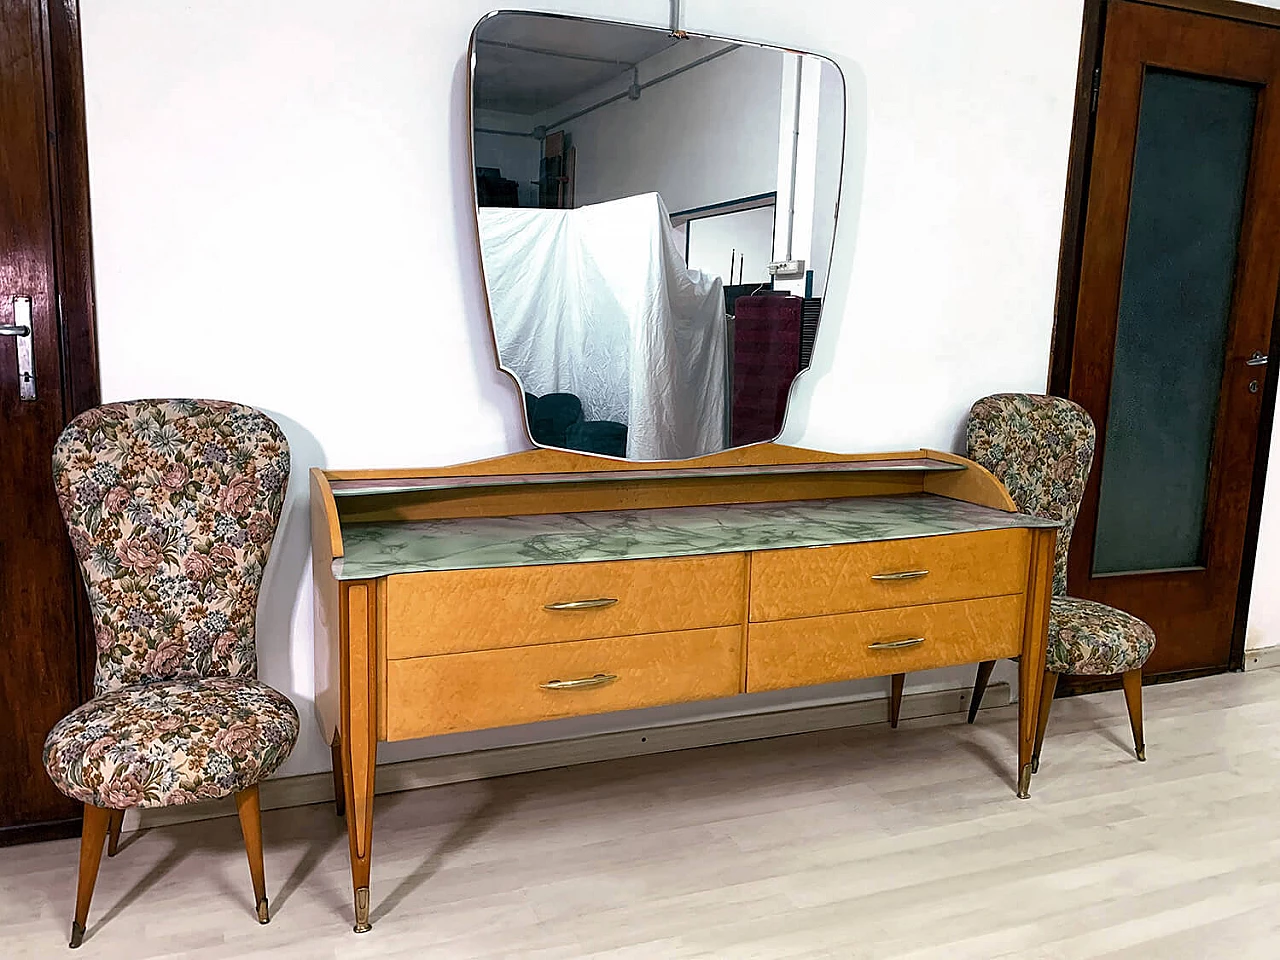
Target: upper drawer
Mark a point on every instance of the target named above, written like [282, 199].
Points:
[455, 611]
[887, 573]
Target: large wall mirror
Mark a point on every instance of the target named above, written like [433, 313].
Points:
[656, 215]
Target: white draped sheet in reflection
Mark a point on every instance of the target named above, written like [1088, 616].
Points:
[598, 302]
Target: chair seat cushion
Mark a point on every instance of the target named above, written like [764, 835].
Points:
[1086, 637]
[171, 742]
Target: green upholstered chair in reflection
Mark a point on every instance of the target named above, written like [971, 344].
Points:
[172, 506]
[1041, 449]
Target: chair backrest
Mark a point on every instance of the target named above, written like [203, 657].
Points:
[1041, 449]
[172, 506]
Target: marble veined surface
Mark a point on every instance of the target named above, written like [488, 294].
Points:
[380, 549]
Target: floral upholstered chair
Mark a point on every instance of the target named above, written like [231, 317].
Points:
[171, 506]
[1041, 449]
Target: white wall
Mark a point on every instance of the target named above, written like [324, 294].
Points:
[714, 241]
[282, 215]
[679, 139]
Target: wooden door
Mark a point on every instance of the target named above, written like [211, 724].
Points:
[40, 655]
[1178, 278]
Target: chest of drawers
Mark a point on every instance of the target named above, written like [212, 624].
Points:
[546, 585]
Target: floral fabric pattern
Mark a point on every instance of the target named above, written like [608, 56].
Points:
[172, 506]
[167, 743]
[1086, 637]
[1041, 449]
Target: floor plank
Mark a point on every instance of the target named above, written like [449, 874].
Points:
[862, 843]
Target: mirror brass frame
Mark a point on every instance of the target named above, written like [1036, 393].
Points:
[475, 201]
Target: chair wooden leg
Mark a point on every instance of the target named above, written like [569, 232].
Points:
[339, 792]
[1133, 697]
[1042, 720]
[251, 827]
[96, 821]
[113, 832]
[895, 698]
[980, 687]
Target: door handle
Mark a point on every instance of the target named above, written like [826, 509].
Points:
[21, 330]
[1259, 359]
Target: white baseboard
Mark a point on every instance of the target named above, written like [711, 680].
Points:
[502, 761]
[1262, 658]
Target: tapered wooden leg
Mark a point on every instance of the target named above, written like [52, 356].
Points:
[980, 687]
[359, 745]
[96, 821]
[1133, 697]
[251, 826]
[339, 794]
[895, 698]
[358, 776]
[113, 832]
[1047, 689]
[1031, 662]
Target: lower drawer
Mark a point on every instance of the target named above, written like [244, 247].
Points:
[796, 653]
[498, 688]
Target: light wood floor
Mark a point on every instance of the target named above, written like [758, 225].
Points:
[851, 844]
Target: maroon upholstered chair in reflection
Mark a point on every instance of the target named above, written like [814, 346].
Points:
[766, 358]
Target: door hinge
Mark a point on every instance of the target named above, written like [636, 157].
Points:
[1093, 92]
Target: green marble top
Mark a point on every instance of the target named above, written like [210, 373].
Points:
[380, 549]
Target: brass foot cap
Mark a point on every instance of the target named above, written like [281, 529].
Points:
[77, 935]
[264, 911]
[1142, 754]
[362, 911]
[1024, 783]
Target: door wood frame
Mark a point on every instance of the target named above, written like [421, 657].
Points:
[73, 246]
[73, 272]
[1080, 155]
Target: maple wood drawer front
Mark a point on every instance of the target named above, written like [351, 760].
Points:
[888, 573]
[496, 688]
[457, 611]
[795, 653]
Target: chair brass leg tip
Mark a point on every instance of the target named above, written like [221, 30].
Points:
[264, 911]
[1024, 783]
[1142, 754]
[77, 935]
[362, 911]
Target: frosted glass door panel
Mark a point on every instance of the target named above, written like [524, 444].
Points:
[1187, 194]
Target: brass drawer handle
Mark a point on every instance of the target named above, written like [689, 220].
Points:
[901, 575]
[895, 644]
[599, 680]
[582, 604]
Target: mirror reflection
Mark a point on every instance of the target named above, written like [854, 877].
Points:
[656, 215]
